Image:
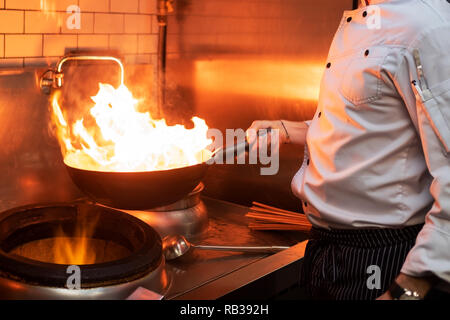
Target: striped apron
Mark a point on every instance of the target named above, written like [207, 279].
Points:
[345, 264]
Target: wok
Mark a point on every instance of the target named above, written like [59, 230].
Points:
[144, 190]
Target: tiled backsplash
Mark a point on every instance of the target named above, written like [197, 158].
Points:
[38, 32]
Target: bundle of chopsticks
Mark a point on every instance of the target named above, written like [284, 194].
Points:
[265, 217]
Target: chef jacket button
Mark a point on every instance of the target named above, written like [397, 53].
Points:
[365, 14]
[349, 19]
[328, 65]
[320, 114]
[366, 53]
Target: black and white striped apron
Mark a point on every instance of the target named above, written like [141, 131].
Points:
[337, 263]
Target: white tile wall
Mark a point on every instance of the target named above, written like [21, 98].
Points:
[11, 21]
[32, 36]
[23, 45]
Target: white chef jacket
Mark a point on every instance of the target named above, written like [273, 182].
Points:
[378, 147]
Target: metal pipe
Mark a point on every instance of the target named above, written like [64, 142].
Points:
[162, 44]
[164, 7]
[59, 74]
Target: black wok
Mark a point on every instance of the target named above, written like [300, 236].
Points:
[145, 190]
[138, 190]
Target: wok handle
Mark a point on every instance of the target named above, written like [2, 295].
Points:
[238, 148]
[258, 249]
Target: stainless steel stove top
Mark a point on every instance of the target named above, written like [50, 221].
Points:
[212, 274]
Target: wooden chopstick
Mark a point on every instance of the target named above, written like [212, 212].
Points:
[276, 218]
[263, 210]
[266, 217]
[266, 206]
[278, 226]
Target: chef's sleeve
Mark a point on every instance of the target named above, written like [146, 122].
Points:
[423, 80]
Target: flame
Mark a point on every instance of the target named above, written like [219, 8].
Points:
[126, 140]
[68, 250]
[76, 248]
[72, 246]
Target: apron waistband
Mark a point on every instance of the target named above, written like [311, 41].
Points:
[366, 238]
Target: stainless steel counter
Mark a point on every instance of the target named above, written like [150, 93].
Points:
[213, 275]
[208, 275]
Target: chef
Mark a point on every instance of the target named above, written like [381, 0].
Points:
[375, 181]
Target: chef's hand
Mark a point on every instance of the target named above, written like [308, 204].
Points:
[253, 131]
[288, 131]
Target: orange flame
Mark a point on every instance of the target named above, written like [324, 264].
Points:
[77, 248]
[68, 250]
[129, 140]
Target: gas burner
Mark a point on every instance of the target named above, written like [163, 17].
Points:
[128, 253]
[187, 217]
